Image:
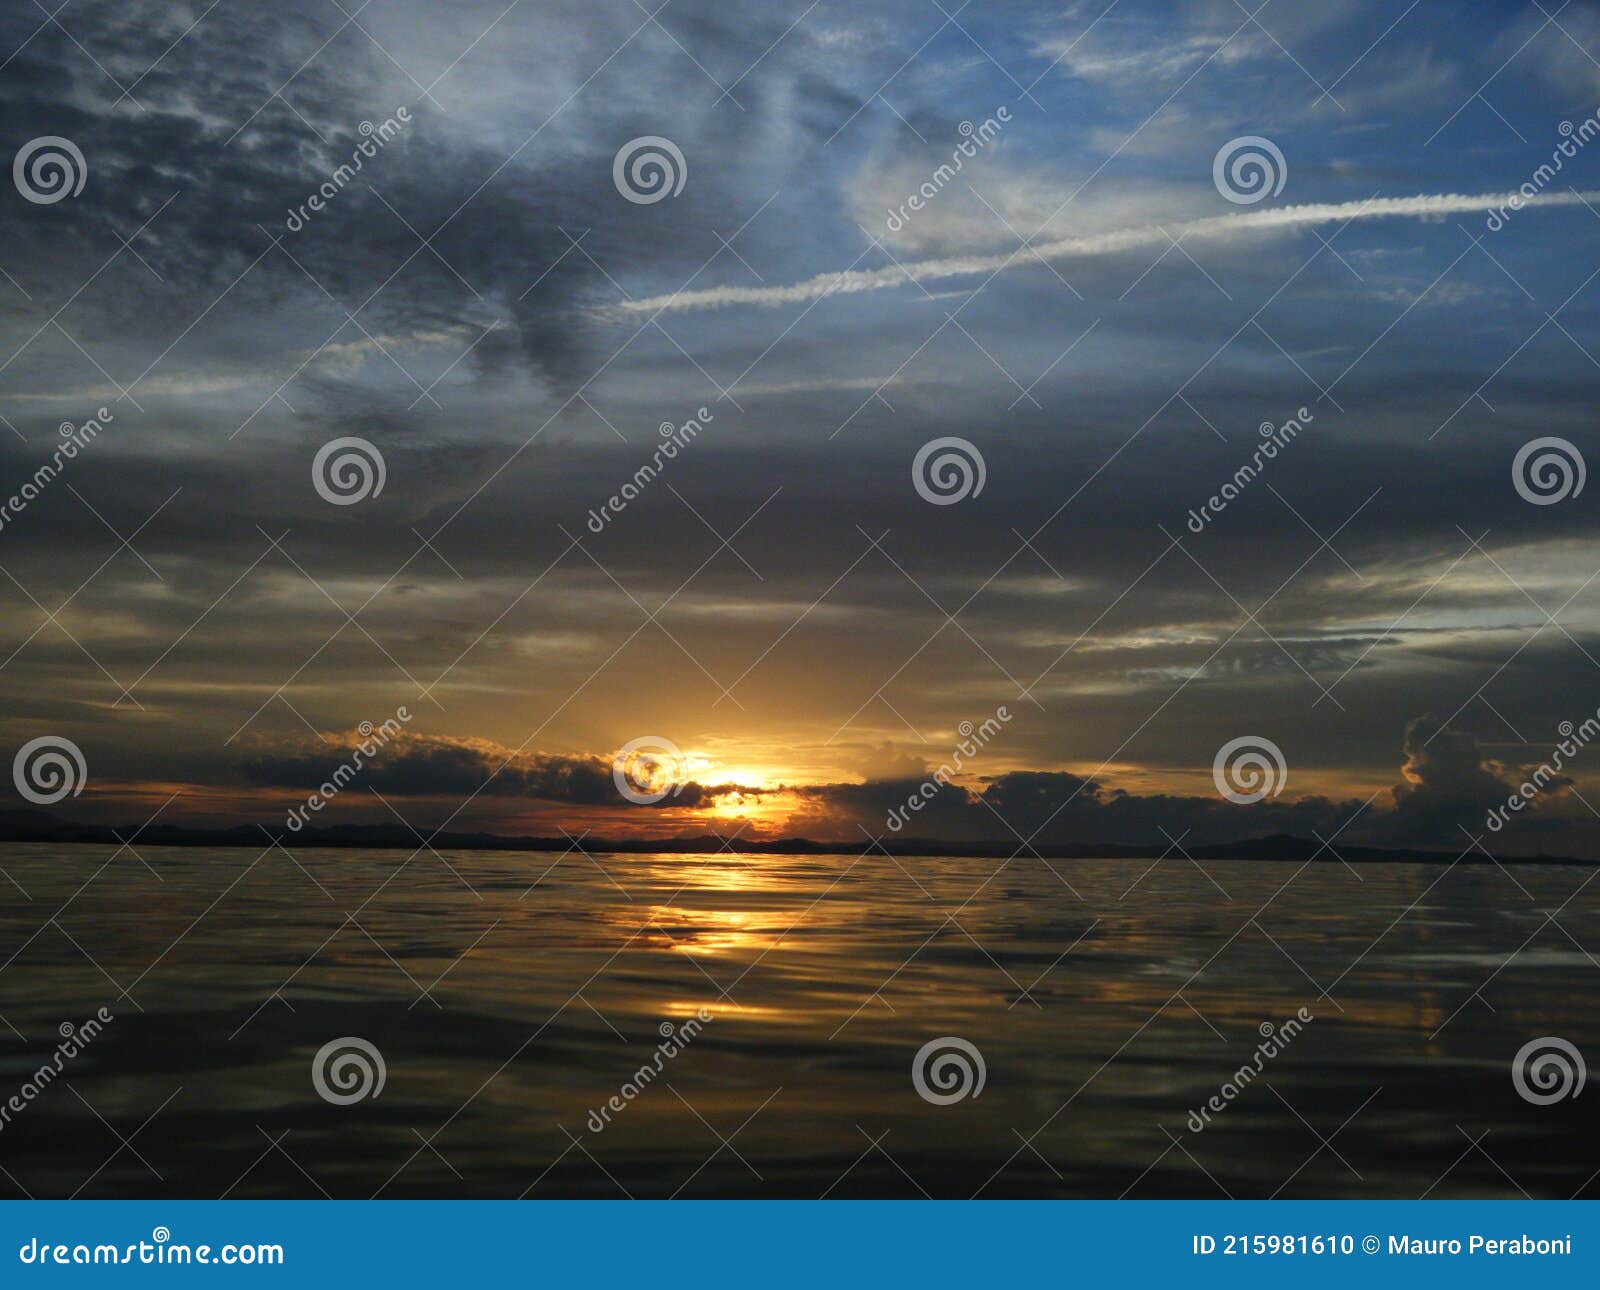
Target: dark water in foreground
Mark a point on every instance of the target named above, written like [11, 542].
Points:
[510, 994]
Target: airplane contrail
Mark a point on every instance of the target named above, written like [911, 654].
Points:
[1110, 242]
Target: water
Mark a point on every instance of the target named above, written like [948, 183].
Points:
[511, 994]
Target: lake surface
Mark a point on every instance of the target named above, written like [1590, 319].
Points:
[510, 995]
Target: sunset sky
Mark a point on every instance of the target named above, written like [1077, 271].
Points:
[1082, 303]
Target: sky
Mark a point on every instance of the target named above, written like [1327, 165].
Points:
[580, 233]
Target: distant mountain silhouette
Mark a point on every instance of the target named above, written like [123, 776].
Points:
[40, 826]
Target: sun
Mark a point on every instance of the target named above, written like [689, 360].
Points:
[743, 776]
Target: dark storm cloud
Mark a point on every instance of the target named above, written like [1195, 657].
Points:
[434, 767]
[253, 111]
[229, 198]
[1448, 785]
[1057, 807]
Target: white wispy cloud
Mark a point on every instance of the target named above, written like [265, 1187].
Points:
[1108, 242]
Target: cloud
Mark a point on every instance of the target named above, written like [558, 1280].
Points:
[1046, 807]
[1111, 242]
[1448, 784]
[1451, 785]
[1137, 58]
[416, 765]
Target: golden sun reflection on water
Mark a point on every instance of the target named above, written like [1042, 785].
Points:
[513, 993]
